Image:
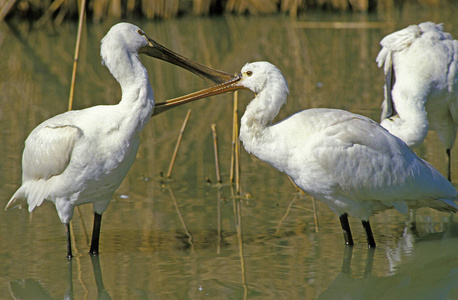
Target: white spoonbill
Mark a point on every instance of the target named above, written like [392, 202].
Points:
[347, 161]
[421, 84]
[83, 156]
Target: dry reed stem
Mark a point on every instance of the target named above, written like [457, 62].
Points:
[6, 9]
[165, 9]
[183, 127]
[239, 228]
[219, 237]
[73, 240]
[115, 9]
[291, 6]
[100, 10]
[61, 15]
[285, 215]
[49, 12]
[77, 51]
[215, 147]
[237, 167]
[79, 267]
[201, 7]
[235, 156]
[242, 257]
[78, 263]
[315, 216]
[180, 216]
[83, 225]
[234, 138]
[72, 89]
[295, 185]
[253, 7]
[130, 7]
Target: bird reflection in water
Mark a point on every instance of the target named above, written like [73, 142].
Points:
[33, 289]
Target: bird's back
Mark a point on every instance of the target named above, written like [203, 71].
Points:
[337, 156]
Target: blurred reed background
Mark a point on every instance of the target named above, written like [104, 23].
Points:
[98, 10]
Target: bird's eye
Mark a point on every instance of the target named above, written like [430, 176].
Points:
[249, 73]
[140, 32]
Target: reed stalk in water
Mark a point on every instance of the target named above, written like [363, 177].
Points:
[177, 146]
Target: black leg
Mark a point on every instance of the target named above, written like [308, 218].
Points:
[449, 175]
[95, 235]
[69, 241]
[346, 230]
[369, 236]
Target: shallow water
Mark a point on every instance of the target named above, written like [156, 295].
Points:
[188, 238]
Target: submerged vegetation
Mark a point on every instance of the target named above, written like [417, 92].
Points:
[58, 10]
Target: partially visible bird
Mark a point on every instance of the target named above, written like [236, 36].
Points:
[421, 84]
[347, 161]
[83, 156]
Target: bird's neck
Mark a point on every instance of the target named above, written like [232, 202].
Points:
[258, 117]
[137, 95]
[412, 130]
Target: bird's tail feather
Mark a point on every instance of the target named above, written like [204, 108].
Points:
[18, 195]
[34, 192]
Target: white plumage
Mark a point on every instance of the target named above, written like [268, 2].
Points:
[421, 90]
[83, 156]
[347, 161]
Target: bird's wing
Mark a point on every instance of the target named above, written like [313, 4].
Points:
[353, 151]
[48, 151]
[367, 161]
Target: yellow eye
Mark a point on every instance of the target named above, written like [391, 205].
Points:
[249, 73]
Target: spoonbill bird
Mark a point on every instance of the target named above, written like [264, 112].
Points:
[83, 156]
[421, 84]
[347, 161]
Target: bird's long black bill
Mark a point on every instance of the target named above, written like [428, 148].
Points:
[154, 49]
[229, 86]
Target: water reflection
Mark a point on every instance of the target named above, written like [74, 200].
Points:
[28, 289]
[425, 272]
[282, 260]
[33, 289]
[102, 293]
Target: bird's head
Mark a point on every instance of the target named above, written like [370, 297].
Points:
[125, 37]
[255, 77]
[122, 37]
